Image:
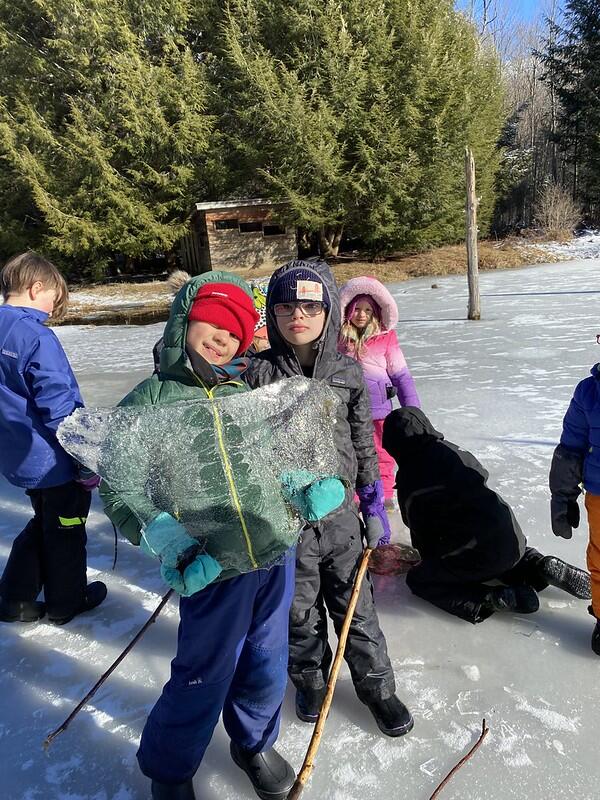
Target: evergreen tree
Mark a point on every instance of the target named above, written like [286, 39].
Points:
[572, 67]
[103, 128]
[357, 113]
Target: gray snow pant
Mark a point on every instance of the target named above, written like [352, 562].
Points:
[327, 560]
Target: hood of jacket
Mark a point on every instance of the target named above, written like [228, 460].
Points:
[371, 286]
[174, 361]
[595, 371]
[407, 429]
[326, 344]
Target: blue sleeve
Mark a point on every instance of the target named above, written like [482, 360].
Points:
[54, 390]
[576, 430]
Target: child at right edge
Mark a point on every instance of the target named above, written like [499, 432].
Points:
[576, 462]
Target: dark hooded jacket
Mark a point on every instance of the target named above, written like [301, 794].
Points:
[354, 427]
[451, 512]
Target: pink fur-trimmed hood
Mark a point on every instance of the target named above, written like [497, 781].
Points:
[372, 287]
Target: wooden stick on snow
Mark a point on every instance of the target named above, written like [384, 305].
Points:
[464, 759]
[309, 759]
[48, 740]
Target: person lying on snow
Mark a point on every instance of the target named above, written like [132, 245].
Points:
[466, 534]
[303, 323]
[232, 646]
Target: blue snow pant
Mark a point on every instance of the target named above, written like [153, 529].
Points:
[232, 655]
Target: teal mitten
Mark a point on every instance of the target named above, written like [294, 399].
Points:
[203, 570]
[313, 499]
[167, 539]
[183, 567]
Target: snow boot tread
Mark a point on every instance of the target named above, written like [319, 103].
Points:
[564, 576]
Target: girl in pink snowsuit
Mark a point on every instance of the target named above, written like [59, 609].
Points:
[370, 315]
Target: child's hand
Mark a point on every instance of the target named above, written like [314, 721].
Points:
[313, 499]
[204, 569]
[167, 539]
[86, 478]
[377, 526]
[565, 516]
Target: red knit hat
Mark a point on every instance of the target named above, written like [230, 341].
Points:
[227, 306]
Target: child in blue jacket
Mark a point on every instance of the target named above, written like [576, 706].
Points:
[576, 461]
[37, 391]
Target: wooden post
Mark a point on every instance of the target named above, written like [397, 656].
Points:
[472, 253]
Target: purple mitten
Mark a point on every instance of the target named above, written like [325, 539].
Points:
[377, 526]
[87, 479]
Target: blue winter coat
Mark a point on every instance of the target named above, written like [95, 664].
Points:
[581, 428]
[37, 391]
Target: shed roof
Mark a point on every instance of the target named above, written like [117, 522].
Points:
[215, 205]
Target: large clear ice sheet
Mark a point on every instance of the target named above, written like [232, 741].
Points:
[215, 464]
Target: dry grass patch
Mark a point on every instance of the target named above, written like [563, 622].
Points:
[143, 303]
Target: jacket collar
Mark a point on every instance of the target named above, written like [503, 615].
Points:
[40, 316]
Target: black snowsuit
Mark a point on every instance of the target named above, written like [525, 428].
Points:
[328, 553]
[465, 533]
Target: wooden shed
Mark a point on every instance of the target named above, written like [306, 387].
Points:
[237, 234]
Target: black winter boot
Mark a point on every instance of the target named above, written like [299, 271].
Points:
[308, 703]
[21, 610]
[271, 775]
[173, 791]
[94, 595]
[596, 639]
[570, 579]
[521, 599]
[391, 715]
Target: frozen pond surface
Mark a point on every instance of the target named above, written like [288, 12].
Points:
[498, 387]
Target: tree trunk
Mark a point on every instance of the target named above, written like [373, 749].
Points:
[472, 252]
[330, 237]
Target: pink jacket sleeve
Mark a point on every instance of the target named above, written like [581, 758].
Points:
[399, 373]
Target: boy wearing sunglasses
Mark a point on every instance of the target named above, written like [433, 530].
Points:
[303, 323]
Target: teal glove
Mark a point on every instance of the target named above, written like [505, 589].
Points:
[183, 567]
[313, 499]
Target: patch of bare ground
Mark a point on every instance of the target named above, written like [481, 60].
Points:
[143, 303]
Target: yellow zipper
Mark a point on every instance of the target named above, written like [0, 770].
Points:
[228, 470]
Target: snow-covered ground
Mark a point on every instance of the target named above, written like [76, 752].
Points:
[498, 387]
[585, 245]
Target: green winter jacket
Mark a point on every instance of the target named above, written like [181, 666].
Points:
[241, 520]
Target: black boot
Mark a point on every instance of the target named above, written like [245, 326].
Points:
[173, 791]
[391, 715]
[308, 703]
[596, 639]
[521, 599]
[94, 595]
[21, 610]
[570, 579]
[271, 775]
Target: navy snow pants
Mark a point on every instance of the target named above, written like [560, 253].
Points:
[232, 654]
